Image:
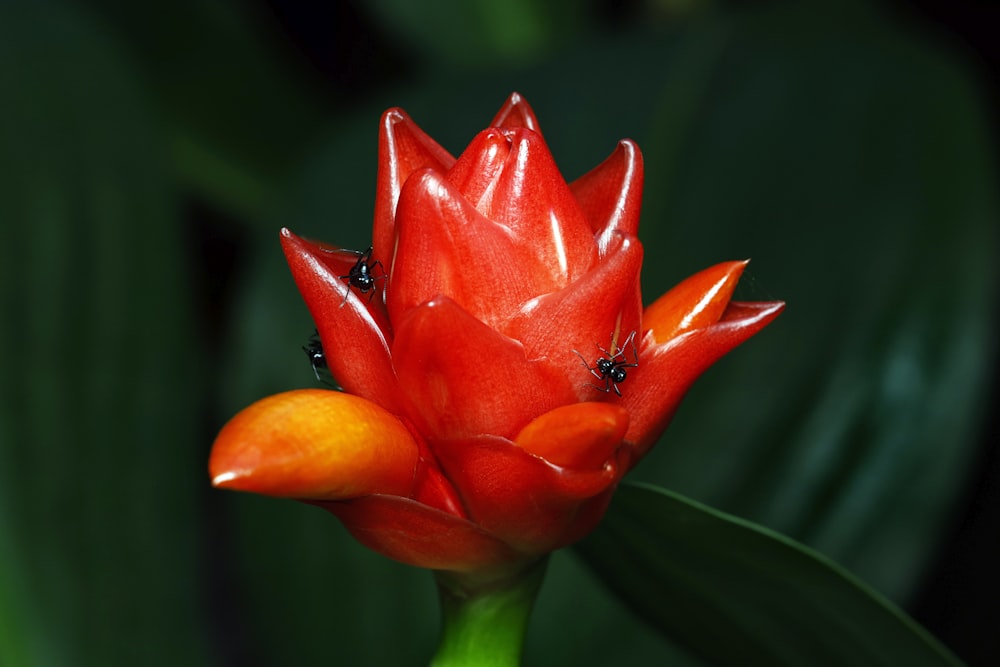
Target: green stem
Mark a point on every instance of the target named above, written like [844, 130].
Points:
[483, 625]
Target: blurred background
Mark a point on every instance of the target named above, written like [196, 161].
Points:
[149, 153]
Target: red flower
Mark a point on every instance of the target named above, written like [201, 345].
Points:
[469, 435]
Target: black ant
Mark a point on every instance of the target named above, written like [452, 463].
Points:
[360, 277]
[317, 359]
[611, 367]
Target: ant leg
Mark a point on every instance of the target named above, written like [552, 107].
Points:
[583, 361]
[347, 289]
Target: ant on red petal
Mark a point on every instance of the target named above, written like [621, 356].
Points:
[317, 359]
[314, 350]
[360, 277]
[611, 367]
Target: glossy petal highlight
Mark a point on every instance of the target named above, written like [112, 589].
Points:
[403, 148]
[579, 435]
[611, 194]
[412, 533]
[694, 303]
[462, 378]
[345, 319]
[314, 444]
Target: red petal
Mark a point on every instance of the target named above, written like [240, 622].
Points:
[403, 148]
[480, 164]
[532, 199]
[579, 435]
[516, 112]
[355, 333]
[696, 302]
[412, 533]
[667, 370]
[587, 313]
[314, 443]
[611, 194]
[446, 247]
[526, 501]
[462, 378]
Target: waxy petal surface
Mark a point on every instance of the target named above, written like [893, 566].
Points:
[532, 199]
[413, 533]
[462, 378]
[525, 500]
[694, 303]
[403, 148]
[447, 247]
[516, 112]
[346, 320]
[579, 435]
[584, 315]
[315, 444]
[475, 173]
[611, 194]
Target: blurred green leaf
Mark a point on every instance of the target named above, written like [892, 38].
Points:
[100, 465]
[735, 593]
[240, 101]
[474, 33]
[851, 163]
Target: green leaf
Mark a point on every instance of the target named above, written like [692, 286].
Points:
[100, 462]
[851, 162]
[240, 101]
[470, 33]
[736, 593]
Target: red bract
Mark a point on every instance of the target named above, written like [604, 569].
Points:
[469, 434]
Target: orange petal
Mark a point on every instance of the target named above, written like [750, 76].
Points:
[314, 444]
[696, 302]
[580, 435]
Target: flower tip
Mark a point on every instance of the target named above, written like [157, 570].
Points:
[223, 479]
[696, 302]
[515, 113]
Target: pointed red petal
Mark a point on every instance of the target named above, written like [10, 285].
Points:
[585, 314]
[479, 165]
[462, 378]
[579, 435]
[611, 194]
[667, 370]
[314, 443]
[696, 302]
[515, 113]
[447, 247]
[532, 199]
[403, 148]
[523, 499]
[416, 534]
[355, 333]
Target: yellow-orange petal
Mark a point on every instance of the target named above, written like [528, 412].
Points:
[695, 302]
[314, 444]
[579, 435]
